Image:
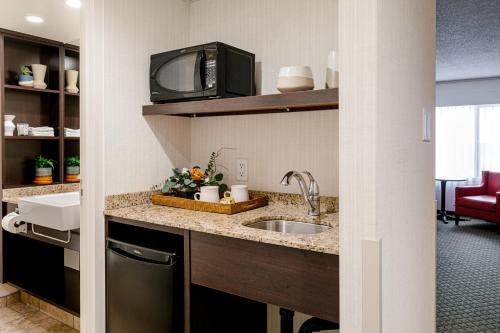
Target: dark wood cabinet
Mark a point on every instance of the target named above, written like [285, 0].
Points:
[294, 279]
[38, 107]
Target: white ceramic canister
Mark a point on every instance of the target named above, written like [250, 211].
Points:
[295, 78]
[9, 126]
[39, 76]
[332, 71]
[71, 80]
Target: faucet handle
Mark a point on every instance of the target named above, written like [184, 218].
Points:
[313, 184]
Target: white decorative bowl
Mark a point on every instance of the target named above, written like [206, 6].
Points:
[295, 78]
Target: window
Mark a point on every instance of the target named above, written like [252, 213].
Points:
[467, 140]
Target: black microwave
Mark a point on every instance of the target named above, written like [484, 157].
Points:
[214, 70]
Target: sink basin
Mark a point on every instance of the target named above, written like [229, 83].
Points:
[289, 227]
[59, 211]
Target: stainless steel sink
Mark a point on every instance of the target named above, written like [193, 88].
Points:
[289, 227]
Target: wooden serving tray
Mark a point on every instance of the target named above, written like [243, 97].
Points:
[212, 207]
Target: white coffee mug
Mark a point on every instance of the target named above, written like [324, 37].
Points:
[208, 193]
[238, 192]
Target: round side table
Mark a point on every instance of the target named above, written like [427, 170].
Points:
[442, 213]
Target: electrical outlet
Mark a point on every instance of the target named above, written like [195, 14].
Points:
[242, 170]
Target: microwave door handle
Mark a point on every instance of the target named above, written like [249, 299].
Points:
[203, 78]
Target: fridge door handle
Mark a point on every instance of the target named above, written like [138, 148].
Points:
[141, 254]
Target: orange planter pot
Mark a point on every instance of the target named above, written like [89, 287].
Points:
[72, 178]
[43, 180]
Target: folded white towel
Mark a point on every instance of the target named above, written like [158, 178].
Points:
[71, 129]
[41, 134]
[41, 129]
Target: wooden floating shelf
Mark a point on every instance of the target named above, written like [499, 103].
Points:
[14, 87]
[30, 137]
[312, 100]
[72, 138]
[71, 94]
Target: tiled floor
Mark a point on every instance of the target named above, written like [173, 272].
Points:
[18, 317]
[21, 318]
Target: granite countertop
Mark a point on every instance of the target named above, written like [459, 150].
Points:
[12, 194]
[234, 225]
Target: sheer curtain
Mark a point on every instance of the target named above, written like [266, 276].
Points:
[467, 142]
[455, 142]
[489, 137]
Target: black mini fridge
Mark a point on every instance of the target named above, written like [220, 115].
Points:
[140, 289]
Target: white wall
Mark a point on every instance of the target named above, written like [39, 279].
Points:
[387, 172]
[280, 33]
[468, 92]
[121, 150]
[273, 144]
[140, 150]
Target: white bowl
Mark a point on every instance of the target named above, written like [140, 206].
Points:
[295, 78]
[296, 71]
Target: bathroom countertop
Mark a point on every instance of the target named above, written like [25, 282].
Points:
[12, 194]
[234, 225]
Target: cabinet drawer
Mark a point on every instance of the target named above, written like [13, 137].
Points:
[295, 279]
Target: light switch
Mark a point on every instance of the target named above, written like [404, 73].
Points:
[426, 125]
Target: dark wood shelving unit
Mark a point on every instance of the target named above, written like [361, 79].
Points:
[38, 107]
[312, 100]
[46, 91]
[26, 137]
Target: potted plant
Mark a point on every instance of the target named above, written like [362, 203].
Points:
[26, 77]
[43, 170]
[186, 182]
[181, 184]
[72, 169]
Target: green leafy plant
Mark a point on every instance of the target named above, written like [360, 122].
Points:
[190, 180]
[25, 70]
[44, 162]
[72, 161]
[181, 181]
[212, 176]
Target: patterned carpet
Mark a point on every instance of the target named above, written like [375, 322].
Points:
[468, 292]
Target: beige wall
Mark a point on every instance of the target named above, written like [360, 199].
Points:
[121, 150]
[386, 184]
[280, 33]
[273, 144]
[140, 150]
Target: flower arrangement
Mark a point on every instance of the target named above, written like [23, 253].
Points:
[185, 182]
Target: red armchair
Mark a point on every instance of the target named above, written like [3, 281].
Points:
[482, 202]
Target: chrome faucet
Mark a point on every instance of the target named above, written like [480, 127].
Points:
[311, 196]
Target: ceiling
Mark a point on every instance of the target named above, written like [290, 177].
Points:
[61, 22]
[468, 39]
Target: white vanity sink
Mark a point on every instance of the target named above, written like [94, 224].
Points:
[59, 211]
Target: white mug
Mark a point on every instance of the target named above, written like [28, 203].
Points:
[208, 193]
[238, 192]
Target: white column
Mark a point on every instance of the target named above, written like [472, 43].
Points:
[387, 214]
[92, 290]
